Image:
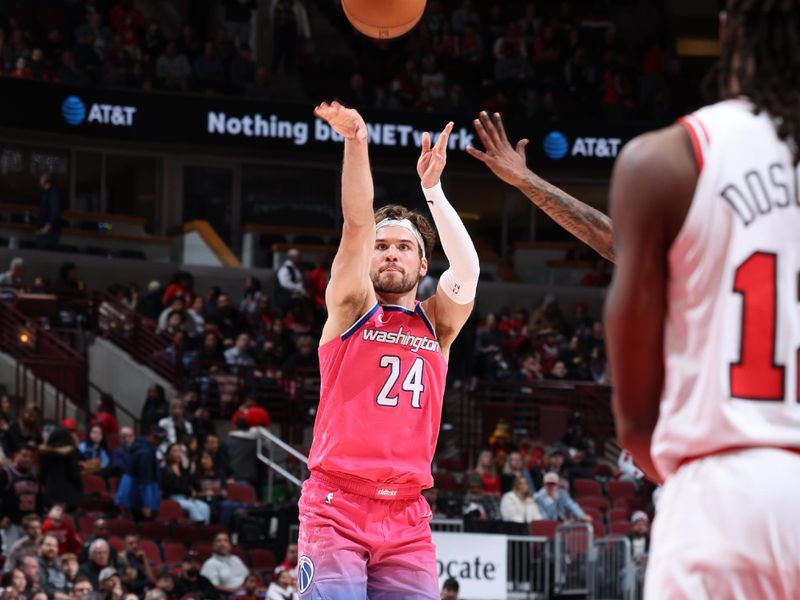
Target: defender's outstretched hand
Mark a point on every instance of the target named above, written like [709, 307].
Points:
[345, 121]
[505, 161]
[432, 160]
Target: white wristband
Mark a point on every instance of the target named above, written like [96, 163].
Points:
[461, 279]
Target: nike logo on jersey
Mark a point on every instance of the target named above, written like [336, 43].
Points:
[414, 342]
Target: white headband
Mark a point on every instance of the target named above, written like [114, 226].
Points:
[405, 224]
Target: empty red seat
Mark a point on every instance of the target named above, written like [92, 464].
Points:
[599, 528]
[204, 550]
[117, 543]
[169, 510]
[620, 489]
[595, 513]
[618, 514]
[598, 502]
[151, 551]
[185, 532]
[154, 530]
[262, 559]
[121, 527]
[545, 528]
[586, 487]
[621, 527]
[93, 484]
[174, 552]
[241, 553]
[209, 532]
[242, 492]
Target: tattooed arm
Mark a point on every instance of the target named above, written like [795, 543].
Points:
[584, 222]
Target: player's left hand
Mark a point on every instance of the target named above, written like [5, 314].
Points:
[432, 160]
[504, 160]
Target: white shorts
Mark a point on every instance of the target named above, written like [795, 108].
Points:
[728, 527]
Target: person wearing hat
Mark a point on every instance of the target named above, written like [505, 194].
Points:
[192, 582]
[640, 537]
[110, 584]
[555, 503]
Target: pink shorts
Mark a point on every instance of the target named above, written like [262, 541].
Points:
[353, 546]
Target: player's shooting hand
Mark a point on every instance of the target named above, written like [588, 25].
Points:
[345, 121]
[432, 160]
[505, 161]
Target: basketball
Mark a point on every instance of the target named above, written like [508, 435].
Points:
[383, 19]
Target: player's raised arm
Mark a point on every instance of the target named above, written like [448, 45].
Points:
[350, 291]
[507, 162]
[452, 304]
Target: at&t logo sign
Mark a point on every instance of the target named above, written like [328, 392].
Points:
[74, 112]
[556, 146]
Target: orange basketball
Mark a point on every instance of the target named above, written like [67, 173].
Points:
[383, 19]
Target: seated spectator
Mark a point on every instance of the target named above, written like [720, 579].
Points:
[239, 354]
[219, 454]
[209, 485]
[167, 583]
[450, 587]
[227, 318]
[554, 462]
[518, 505]
[93, 451]
[110, 584]
[14, 276]
[306, 357]
[100, 531]
[195, 318]
[64, 531]
[173, 69]
[176, 483]
[14, 581]
[514, 468]
[99, 560]
[280, 589]
[479, 505]
[530, 373]
[289, 564]
[211, 351]
[26, 545]
[70, 566]
[487, 470]
[191, 581]
[155, 407]
[82, 587]
[174, 318]
[224, 570]
[53, 580]
[135, 568]
[431, 495]
[33, 576]
[20, 494]
[138, 488]
[555, 503]
[106, 415]
[121, 456]
[177, 428]
[27, 429]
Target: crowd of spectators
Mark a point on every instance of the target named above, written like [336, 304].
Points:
[533, 59]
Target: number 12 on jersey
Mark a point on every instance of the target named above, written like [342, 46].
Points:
[412, 382]
[757, 376]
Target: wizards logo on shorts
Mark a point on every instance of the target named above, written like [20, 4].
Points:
[305, 573]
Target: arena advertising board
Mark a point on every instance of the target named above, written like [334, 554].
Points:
[153, 117]
[477, 561]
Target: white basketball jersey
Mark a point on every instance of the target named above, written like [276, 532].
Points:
[732, 332]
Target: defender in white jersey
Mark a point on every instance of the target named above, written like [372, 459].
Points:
[703, 320]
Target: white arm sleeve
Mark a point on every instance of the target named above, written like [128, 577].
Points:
[461, 279]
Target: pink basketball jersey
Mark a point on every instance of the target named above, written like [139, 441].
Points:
[382, 385]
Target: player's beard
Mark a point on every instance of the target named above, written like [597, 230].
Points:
[395, 285]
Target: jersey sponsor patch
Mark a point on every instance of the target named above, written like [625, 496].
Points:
[305, 573]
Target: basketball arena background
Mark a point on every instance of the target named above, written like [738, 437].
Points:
[186, 162]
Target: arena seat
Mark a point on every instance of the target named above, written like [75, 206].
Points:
[545, 527]
[586, 487]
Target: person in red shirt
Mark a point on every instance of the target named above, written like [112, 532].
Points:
[182, 284]
[63, 530]
[106, 415]
[487, 469]
[289, 564]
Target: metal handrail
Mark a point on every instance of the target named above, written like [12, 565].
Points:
[271, 441]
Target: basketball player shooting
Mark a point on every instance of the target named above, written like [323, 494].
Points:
[364, 526]
[703, 320]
